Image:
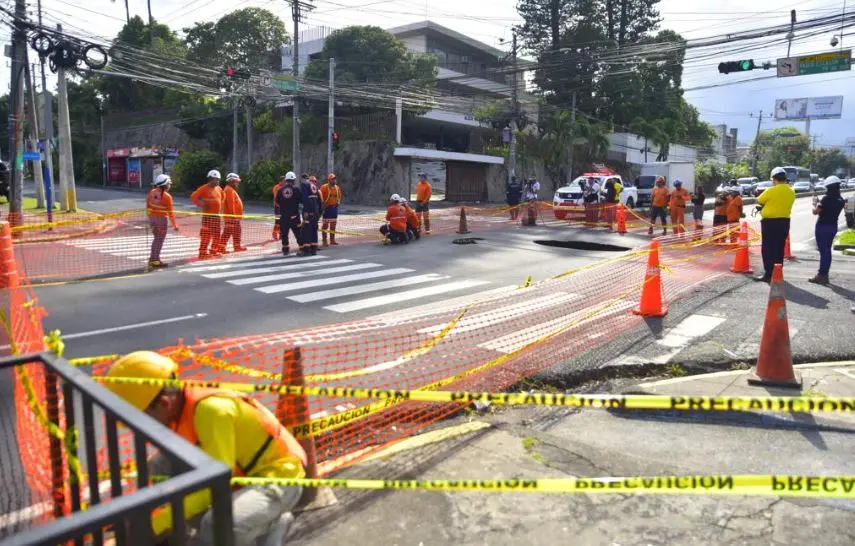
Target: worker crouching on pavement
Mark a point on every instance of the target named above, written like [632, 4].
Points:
[330, 200]
[413, 227]
[209, 198]
[233, 211]
[289, 203]
[734, 214]
[159, 207]
[233, 429]
[395, 228]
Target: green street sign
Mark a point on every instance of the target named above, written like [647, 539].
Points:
[285, 83]
[822, 63]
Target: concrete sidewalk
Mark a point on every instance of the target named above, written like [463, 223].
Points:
[559, 442]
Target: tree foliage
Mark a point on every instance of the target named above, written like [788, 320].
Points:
[829, 161]
[709, 175]
[191, 169]
[778, 147]
[249, 38]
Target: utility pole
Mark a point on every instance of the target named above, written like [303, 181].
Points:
[757, 142]
[46, 137]
[572, 129]
[150, 26]
[103, 149]
[791, 34]
[16, 113]
[66, 160]
[234, 133]
[331, 120]
[297, 8]
[512, 155]
[248, 113]
[33, 129]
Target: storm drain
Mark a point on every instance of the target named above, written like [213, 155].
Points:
[467, 240]
[583, 245]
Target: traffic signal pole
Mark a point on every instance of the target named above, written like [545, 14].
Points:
[331, 120]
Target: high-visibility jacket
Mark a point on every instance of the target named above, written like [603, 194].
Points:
[209, 199]
[159, 204]
[734, 209]
[232, 203]
[659, 196]
[679, 198]
[423, 191]
[276, 188]
[412, 218]
[330, 195]
[721, 205]
[397, 218]
[239, 432]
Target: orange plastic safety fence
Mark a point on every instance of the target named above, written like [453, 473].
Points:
[484, 345]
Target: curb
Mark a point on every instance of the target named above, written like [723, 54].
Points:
[701, 377]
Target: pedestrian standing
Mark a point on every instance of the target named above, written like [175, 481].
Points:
[776, 205]
[591, 197]
[679, 198]
[330, 200]
[279, 184]
[658, 205]
[424, 191]
[698, 207]
[160, 208]
[233, 213]
[827, 211]
[289, 202]
[513, 195]
[610, 202]
[209, 198]
[311, 216]
[734, 214]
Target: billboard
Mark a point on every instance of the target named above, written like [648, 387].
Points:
[808, 108]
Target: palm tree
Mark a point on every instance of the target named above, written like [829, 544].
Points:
[655, 131]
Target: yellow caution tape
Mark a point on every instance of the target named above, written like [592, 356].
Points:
[89, 360]
[772, 485]
[603, 401]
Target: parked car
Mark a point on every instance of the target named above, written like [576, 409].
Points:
[802, 187]
[851, 183]
[820, 186]
[761, 187]
[747, 184]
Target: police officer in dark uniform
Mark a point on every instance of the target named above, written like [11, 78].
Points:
[311, 215]
[289, 201]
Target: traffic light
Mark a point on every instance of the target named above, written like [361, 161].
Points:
[736, 66]
[335, 141]
[237, 73]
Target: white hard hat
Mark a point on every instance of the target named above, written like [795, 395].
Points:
[162, 180]
[777, 171]
[395, 197]
[290, 175]
[832, 180]
[214, 173]
[232, 176]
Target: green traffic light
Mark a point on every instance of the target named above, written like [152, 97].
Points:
[745, 65]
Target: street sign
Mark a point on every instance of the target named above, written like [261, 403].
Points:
[822, 63]
[285, 83]
[32, 156]
[266, 79]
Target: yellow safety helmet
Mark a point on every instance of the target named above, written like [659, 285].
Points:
[144, 365]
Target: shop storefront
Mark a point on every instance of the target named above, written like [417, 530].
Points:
[137, 168]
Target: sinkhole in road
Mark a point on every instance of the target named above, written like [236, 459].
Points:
[582, 245]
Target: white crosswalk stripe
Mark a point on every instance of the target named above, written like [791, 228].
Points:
[138, 247]
[341, 282]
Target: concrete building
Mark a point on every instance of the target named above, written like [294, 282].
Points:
[725, 142]
[448, 143]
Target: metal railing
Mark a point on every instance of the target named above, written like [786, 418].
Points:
[120, 513]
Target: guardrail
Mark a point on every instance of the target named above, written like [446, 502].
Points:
[111, 511]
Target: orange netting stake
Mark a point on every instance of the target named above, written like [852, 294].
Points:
[788, 255]
[775, 364]
[741, 260]
[8, 268]
[651, 304]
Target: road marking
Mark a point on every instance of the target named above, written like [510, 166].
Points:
[133, 326]
[243, 263]
[691, 327]
[326, 281]
[445, 306]
[292, 266]
[503, 314]
[362, 288]
[291, 276]
[402, 296]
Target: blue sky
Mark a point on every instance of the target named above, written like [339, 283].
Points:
[490, 22]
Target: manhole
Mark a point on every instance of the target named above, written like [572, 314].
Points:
[467, 240]
[583, 245]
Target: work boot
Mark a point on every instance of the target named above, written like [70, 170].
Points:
[650, 231]
[332, 240]
[286, 251]
[819, 279]
[762, 278]
[324, 239]
[156, 264]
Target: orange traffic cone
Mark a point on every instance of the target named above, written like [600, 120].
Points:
[8, 268]
[775, 363]
[463, 227]
[787, 254]
[742, 262]
[651, 304]
[621, 219]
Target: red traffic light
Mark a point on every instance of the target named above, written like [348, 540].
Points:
[231, 71]
[335, 137]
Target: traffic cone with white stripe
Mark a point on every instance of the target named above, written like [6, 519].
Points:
[775, 362]
[742, 261]
[652, 304]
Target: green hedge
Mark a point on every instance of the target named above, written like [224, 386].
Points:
[191, 169]
[258, 185]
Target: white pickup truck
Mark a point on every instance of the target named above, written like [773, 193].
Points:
[569, 201]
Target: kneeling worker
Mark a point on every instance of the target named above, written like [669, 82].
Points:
[395, 228]
[413, 225]
[233, 429]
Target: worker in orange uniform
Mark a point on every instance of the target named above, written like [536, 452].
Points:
[679, 198]
[395, 228]
[330, 200]
[413, 226]
[209, 198]
[279, 185]
[658, 204]
[233, 211]
[734, 214]
[159, 207]
[230, 427]
[423, 194]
